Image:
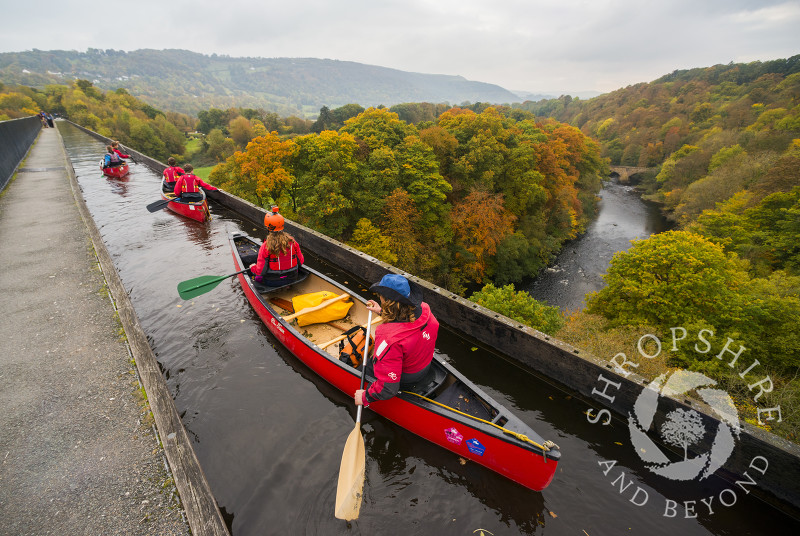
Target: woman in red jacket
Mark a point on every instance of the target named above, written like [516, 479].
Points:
[279, 258]
[404, 343]
[188, 185]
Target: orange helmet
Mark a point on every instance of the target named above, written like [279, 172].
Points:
[273, 221]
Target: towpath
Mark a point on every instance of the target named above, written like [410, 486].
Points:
[78, 450]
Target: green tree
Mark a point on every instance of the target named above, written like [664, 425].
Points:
[378, 128]
[368, 238]
[672, 279]
[519, 306]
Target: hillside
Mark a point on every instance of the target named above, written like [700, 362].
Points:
[188, 82]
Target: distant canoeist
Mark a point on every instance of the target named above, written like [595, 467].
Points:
[171, 175]
[188, 185]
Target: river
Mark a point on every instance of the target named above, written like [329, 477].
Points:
[579, 268]
[269, 433]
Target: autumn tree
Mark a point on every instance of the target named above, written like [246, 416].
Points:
[241, 131]
[368, 238]
[480, 223]
[258, 173]
[400, 216]
[378, 127]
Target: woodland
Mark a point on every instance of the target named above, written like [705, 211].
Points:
[188, 82]
[479, 197]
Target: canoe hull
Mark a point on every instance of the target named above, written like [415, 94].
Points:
[195, 210]
[116, 172]
[473, 440]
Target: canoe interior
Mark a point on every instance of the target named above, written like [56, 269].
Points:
[444, 387]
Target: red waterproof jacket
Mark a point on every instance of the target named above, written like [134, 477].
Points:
[172, 173]
[121, 154]
[190, 183]
[278, 264]
[401, 347]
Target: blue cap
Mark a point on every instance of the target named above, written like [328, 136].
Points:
[397, 288]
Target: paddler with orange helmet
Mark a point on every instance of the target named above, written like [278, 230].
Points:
[279, 258]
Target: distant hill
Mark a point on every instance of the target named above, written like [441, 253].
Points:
[184, 81]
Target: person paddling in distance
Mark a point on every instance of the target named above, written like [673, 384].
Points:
[111, 159]
[115, 146]
[404, 343]
[171, 175]
[188, 185]
[279, 258]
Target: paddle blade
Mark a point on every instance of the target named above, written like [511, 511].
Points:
[158, 205]
[351, 477]
[199, 285]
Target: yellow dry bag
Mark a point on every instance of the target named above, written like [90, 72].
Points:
[335, 311]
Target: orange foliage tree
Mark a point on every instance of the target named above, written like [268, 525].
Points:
[480, 223]
[258, 172]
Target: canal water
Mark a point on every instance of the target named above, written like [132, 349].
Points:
[579, 268]
[269, 434]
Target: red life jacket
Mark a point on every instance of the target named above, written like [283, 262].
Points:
[189, 183]
[416, 340]
[279, 265]
[171, 174]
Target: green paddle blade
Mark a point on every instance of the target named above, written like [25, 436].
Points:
[199, 285]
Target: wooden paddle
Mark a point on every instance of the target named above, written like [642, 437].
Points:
[350, 489]
[342, 337]
[158, 205]
[315, 307]
[192, 288]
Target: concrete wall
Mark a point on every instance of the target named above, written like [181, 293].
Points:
[16, 137]
[573, 369]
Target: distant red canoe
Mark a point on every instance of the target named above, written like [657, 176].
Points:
[196, 210]
[115, 172]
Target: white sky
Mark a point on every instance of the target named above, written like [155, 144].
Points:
[555, 46]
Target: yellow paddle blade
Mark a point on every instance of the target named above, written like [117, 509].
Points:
[351, 477]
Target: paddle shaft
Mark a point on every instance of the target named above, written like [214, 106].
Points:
[364, 368]
[350, 487]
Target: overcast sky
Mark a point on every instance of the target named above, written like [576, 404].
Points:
[556, 46]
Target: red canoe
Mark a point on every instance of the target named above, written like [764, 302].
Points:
[448, 410]
[196, 210]
[115, 172]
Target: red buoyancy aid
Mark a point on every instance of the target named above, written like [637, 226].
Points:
[190, 183]
[172, 173]
[269, 264]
